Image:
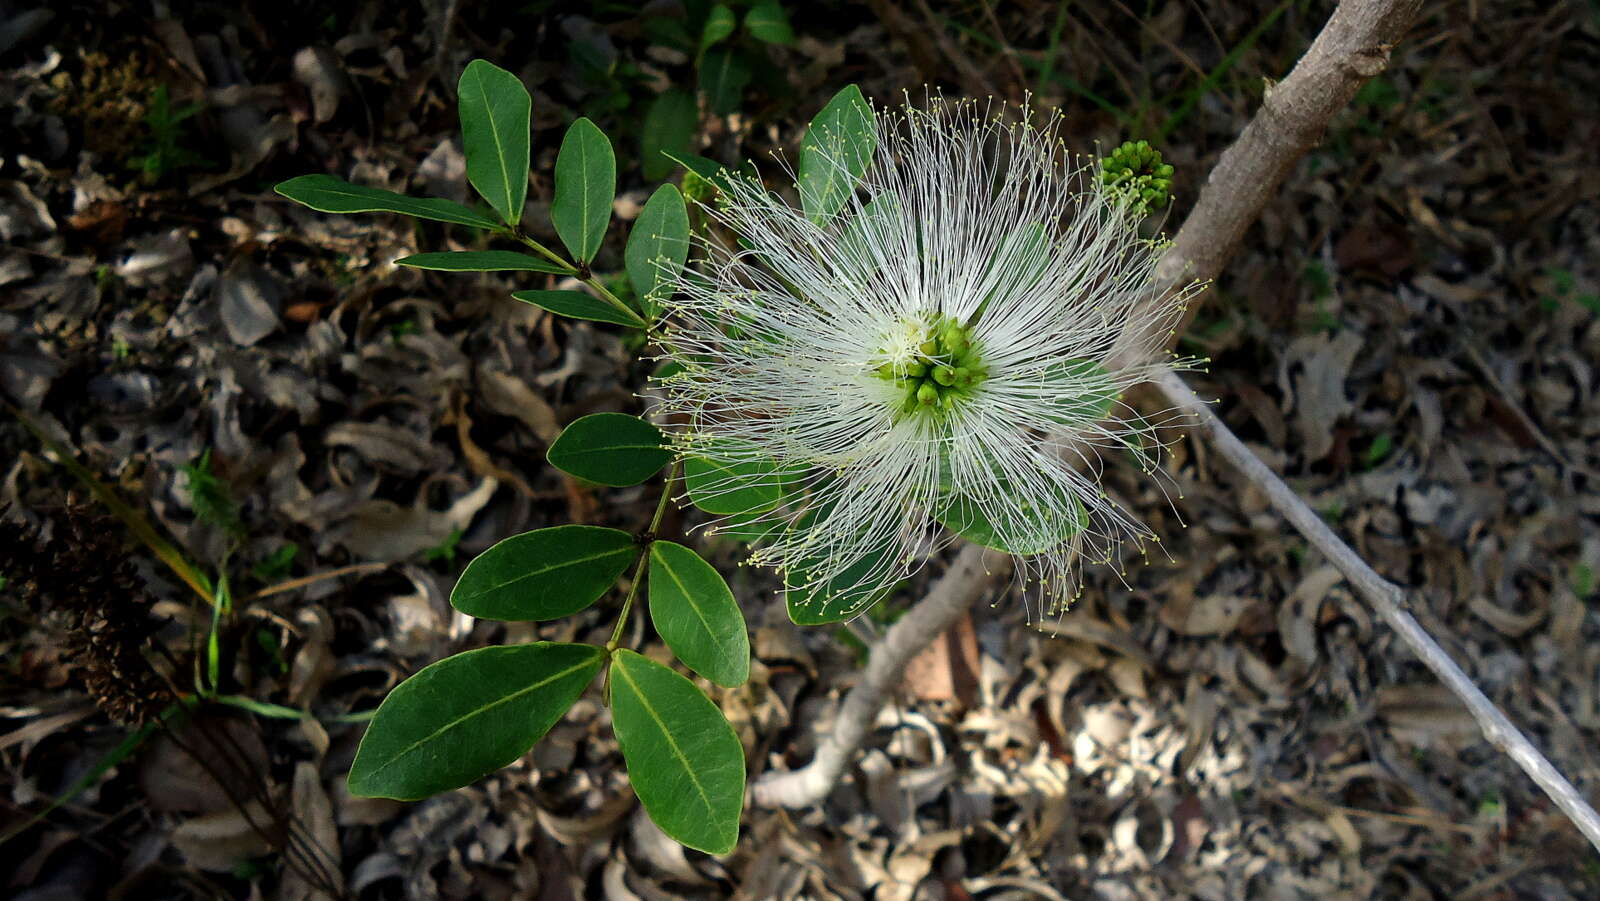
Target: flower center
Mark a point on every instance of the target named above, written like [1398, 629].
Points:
[933, 362]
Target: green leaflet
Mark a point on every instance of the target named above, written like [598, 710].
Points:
[481, 261]
[724, 72]
[544, 574]
[720, 23]
[327, 194]
[722, 487]
[837, 599]
[684, 761]
[658, 246]
[578, 305]
[1083, 390]
[669, 127]
[835, 154]
[610, 449]
[695, 614]
[814, 603]
[586, 184]
[466, 716]
[1048, 528]
[495, 114]
[767, 21]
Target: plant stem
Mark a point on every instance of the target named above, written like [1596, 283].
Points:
[954, 593]
[581, 274]
[644, 550]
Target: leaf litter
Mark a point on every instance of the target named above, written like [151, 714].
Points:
[1409, 338]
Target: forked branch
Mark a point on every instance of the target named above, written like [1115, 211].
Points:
[1351, 48]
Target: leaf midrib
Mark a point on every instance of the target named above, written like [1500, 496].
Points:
[437, 205]
[689, 597]
[606, 448]
[666, 733]
[499, 148]
[570, 561]
[508, 261]
[505, 699]
[585, 215]
[743, 482]
[590, 308]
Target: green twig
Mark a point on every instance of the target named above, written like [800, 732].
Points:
[208, 685]
[280, 712]
[581, 274]
[644, 550]
[543, 251]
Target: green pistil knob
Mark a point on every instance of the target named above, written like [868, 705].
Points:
[939, 373]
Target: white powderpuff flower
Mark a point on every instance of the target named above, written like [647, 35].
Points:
[944, 355]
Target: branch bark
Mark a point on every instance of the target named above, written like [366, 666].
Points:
[1353, 47]
[1390, 602]
[951, 596]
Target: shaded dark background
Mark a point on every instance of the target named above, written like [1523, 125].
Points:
[1408, 335]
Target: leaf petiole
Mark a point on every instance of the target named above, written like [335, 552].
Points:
[580, 274]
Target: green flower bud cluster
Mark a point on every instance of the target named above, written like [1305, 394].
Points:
[944, 368]
[1136, 169]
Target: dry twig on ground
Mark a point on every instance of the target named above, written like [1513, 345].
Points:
[1389, 601]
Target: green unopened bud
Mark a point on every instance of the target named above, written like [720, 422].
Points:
[928, 348]
[927, 394]
[917, 370]
[1136, 170]
[944, 375]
